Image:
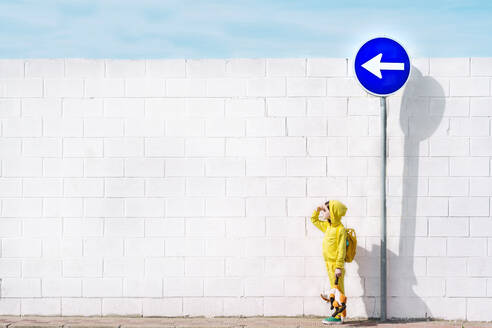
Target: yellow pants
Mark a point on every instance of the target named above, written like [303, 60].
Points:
[330, 267]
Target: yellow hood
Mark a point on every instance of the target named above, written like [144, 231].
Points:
[337, 210]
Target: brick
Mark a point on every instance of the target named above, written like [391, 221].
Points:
[466, 246]
[332, 146]
[480, 226]
[185, 127]
[21, 167]
[283, 305]
[247, 186]
[135, 287]
[446, 266]
[449, 146]
[21, 87]
[267, 87]
[83, 267]
[63, 127]
[285, 227]
[144, 167]
[84, 68]
[148, 207]
[475, 86]
[204, 267]
[221, 127]
[225, 167]
[450, 66]
[481, 106]
[101, 287]
[184, 167]
[466, 287]
[41, 107]
[249, 306]
[224, 207]
[45, 68]
[442, 186]
[288, 187]
[468, 166]
[223, 287]
[124, 108]
[245, 107]
[26, 127]
[82, 108]
[165, 68]
[246, 67]
[123, 147]
[265, 127]
[328, 67]
[302, 206]
[265, 167]
[326, 186]
[10, 108]
[286, 107]
[82, 227]
[66, 207]
[468, 206]
[11, 68]
[343, 87]
[479, 266]
[327, 107]
[477, 309]
[480, 186]
[480, 146]
[185, 286]
[103, 207]
[102, 167]
[122, 306]
[131, 267]
[63, 87]
[245, 266]
[185, 207]
[164, 266]
[80, 306]
[11, 227]
[186, 88]
[164, 147]
[184, 247]
[223, 247]
[271, 206]
[21, 287]
[306, 87]
[308, 126]
[347, 166]
[83, 187]
[481, 66]
[21, 247]
[227, 87]
[125, 68]
[41, 187]
[452, 106]
[472, 127]
[248, 147]
[41, 268]
[104, 88]
[205, 68]
[147, 87]
[306, 166]
[263, 286]
[286, 146]
[350, 126]
[30, 207]
[103, 127]
[124, 187]
[204, 147]
[205, 186]
[206, 108]
[146, 247]
[163, 307]
[448, 226]
[286, 67]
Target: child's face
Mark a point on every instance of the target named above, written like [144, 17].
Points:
[326, 212]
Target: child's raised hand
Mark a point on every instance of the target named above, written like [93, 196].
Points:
[319, 209]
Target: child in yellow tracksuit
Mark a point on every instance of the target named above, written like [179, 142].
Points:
[334, 242]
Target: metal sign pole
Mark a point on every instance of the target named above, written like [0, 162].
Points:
[383, 208]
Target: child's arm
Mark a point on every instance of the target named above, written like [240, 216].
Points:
[341, 248]
[321, 225]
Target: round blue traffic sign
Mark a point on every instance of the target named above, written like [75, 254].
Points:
[382, 66]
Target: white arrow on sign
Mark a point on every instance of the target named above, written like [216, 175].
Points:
[375, 66]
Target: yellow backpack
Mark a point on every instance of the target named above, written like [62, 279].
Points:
[351, 245]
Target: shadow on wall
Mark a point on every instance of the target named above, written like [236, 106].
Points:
[418, 121]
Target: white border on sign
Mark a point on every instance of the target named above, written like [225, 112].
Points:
[355, 75]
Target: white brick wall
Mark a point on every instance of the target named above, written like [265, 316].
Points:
[184, 187]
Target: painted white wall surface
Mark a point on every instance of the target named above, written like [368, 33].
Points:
[185, 187]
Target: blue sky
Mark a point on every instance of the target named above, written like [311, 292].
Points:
[239, 28]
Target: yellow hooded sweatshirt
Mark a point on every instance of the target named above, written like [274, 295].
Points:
[334, 241]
